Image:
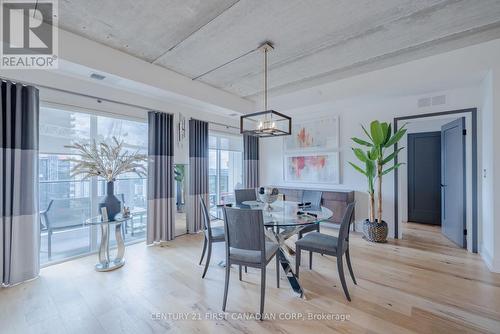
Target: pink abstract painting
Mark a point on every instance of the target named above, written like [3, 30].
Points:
[320, 168]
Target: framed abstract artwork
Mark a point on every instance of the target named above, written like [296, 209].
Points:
[320, 134]
[311, 152]
[312, 167]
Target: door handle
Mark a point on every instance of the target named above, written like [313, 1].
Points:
[443, 185]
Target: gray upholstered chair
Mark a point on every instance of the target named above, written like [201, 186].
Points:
[241, 195]
[329, 245]
[246, 245]
[313, 197]
[212, 234]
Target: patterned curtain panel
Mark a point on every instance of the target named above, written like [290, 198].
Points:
[250, 161]
[19, 218]
[160, 178]
[198, 172]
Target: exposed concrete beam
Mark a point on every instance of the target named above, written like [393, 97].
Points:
[81, 51]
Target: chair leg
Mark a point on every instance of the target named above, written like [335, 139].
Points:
[310, 260]
[262, 291]
[239, 270]
[226, 285]
[277, 271]
[348, 260]
[340, 266]
[207, 262]
[204, 249]
[49, 244]
[297, 261]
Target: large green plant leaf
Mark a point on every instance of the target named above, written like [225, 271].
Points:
[361, 142]
[385, 130]
[388, 133]
[359, 169]
[390, 169]
[360, 154]
[397, 137]
[370, 168]
[391, 156]
[377, 133]
[366, 132]
[373, 154]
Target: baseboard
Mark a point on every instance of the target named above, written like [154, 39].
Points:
[488, 260]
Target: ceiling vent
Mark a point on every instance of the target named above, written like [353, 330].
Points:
[97, 76]
[438, 100]
[432, 101]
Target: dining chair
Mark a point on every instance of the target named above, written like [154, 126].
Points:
[241, 195]
[313, 197]
[329, 245]
[246, 245]
[212, 235]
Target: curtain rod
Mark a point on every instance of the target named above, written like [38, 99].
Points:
[215, 123]
[99, 99]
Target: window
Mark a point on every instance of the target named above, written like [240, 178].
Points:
[225, 160]
[65, 201]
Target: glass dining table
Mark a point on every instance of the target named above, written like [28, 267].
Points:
[282, 220]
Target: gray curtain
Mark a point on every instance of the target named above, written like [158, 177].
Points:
[250, 161]
[19, 217]
[160, 177]
[198, 172]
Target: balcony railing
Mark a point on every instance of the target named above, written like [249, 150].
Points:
[66, 204]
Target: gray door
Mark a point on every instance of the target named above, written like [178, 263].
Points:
[453, 210]
[424, 177]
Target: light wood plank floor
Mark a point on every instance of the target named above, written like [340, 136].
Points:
[404, 287]
[425, 234]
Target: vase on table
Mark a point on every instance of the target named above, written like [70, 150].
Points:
[110, 202]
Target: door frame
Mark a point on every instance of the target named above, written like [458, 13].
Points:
[473, 113]
[412, 167]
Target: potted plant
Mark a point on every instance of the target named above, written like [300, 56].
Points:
[179, 174]
[380, 138]
[107, 161]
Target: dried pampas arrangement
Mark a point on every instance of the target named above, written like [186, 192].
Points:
[106, 160]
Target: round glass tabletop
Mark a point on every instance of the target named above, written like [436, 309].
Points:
[98, 220]
[287, 213]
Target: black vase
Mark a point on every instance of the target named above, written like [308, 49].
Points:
[110, 202]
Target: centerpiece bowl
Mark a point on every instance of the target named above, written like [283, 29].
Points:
[268, 195]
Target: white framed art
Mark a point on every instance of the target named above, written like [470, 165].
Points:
[311, 152]
[316, 167]
[319, 134]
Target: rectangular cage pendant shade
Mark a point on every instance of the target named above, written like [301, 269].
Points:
[267, 123]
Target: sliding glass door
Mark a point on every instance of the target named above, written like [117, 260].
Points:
[66, 202]
[225, 167]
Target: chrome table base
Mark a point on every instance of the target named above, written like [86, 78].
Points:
[283, 250]
[105, 263]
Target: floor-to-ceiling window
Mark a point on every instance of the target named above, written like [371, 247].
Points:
[225, 166]
[65, 201]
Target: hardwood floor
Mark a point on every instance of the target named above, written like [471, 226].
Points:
[404, 286]
[426, 234]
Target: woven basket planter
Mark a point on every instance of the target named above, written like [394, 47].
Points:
[375, 232]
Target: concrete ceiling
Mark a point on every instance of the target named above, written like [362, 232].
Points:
[319, 39]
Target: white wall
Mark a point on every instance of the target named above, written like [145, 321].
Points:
[351, 114]
[490, 247]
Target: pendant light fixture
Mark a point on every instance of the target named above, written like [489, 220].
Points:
[267, 123]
